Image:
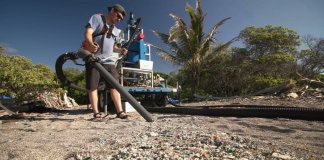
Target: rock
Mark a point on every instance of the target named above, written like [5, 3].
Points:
[258, 97]
[153, 134]
[280, 156]
[229, 157]
[293, 95]
[247, 154]
[145, 146]
[102, 141]
[230, 149]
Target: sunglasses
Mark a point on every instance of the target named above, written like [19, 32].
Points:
[119, 15]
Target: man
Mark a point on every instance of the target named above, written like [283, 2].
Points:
[101, 39]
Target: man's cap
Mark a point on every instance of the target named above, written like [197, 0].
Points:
[118, 8]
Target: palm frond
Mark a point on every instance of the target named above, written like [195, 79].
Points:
[226, 45]
[165, 55]
[162, 36]
[165, 39]
[191, 13]
[206, 43]
[178, 29]
[180, 35]
[196, 29]
[199, 19]
[198, 8]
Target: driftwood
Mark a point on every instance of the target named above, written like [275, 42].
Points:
[267, 91]
[311, 81]
[276, 89]
[306, 91]
[208, 98]
[7, 110]
[54, 100]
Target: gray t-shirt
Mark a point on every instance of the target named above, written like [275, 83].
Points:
[106, 44]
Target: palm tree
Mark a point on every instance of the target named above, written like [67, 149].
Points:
[189, 45]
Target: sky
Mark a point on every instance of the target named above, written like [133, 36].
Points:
[42, 30]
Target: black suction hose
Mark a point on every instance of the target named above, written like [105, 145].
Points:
[59, 70]
[245, 111]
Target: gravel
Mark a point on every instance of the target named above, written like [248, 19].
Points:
[71, 134]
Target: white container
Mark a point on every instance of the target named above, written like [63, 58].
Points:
[144, 64]
[127, 107]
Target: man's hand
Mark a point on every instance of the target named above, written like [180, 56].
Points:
[93, 47]
[124, 51]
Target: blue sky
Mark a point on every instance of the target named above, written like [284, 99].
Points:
[42, 30]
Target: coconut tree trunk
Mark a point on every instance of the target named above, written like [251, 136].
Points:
[195, 80]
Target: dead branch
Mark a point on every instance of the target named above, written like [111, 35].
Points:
[7, 110]
[310, 81]
[276, 89]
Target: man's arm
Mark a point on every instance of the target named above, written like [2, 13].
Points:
[91, 46]
[117, 49]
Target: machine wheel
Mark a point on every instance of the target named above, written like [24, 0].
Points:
[160, 99]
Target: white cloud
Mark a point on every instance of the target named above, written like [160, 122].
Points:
[8, 48]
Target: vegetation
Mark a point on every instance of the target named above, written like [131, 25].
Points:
[78, 78]
[21, 79]
[311, 60]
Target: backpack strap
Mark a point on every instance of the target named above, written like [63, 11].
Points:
[104, 29]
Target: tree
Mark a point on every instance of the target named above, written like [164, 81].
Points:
[222, 72]
[311, 61]
[189, 45]
[77, 77]
[269, 40]
[272, 52]
[21, 79]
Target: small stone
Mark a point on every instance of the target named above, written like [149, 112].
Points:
[283, 149]
[293, 95]
[280, 156]
[102, 141]
[258, 97]
[146, 147]
[229, 157]
[247, 154]
[230, 150]
[87, 158]
[218, 143]
[153, 134]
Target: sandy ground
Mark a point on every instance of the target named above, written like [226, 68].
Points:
[71, 134]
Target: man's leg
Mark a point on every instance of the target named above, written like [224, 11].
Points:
[93, 96]
[117, 101]
[115, 96]
[92, 80]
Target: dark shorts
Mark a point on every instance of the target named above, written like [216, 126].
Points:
[93, 77]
